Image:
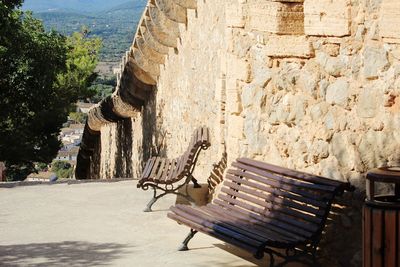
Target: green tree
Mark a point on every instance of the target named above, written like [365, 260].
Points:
[41, 74]
[78, 117]
[82, 59]
[30, 112]
[62, 169]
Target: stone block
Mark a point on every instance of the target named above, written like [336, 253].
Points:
[276, 17]
[239, 69]
[375, 60]
[327, 17]
[236, 126]
[338, 93]
[289, 46]
[234, 14]
[389, 19]
[368, 102]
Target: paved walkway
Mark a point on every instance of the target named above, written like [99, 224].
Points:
[100, 224]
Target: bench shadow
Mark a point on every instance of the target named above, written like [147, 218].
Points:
[67, 253]
[242, 254]
[262, 262]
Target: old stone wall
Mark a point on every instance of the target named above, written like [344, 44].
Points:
[321, 96]
[311, 85]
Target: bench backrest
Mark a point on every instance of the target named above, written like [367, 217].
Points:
[200, 140]
[169, 171]
[289, 200]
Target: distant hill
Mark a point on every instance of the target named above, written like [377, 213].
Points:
[80, 6]
[114, 21]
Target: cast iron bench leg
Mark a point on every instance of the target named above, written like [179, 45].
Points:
[153, 200]
[185, 242]
[194, 181]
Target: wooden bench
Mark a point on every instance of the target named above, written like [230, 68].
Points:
[166, 174]
[263, 208]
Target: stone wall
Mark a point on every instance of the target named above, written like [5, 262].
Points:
[311, 85]
[323, 98]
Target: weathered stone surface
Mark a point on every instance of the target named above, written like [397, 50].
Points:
[289, 46]
[235, 15]
[389, 16]
[376, 147]
[172, 10]
[252, 96]
[326, 17]
[148, 52]
[342, 150]
[375, 60]
[261, 73]
[152, 42]
[276, 17]
[369, 102]
[308, 82]
[338, 93]
[187, 3]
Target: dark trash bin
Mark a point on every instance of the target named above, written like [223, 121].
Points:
[381, 220]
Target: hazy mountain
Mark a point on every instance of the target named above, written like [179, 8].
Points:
[114, 21]
[80, 6]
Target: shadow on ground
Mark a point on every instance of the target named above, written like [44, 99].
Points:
[68, 253]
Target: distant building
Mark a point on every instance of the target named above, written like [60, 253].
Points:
[69, 155]
[83, 107]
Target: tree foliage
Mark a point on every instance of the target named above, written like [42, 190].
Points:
[41, 74]
[62, 169]
[82, 59]
[78, 117]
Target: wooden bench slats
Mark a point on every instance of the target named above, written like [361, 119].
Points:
[207, 214]
[274, 199]
[273, 232]
[165, 171]
[170, 171]
[182, 170]
[266, 221]
[283, 179]
[222, 229]
[251, 224]
[160, 170]
[276, 184]
[155, 168]
[291, 173]
[148, 167]
[212, 233]
[266, 217]
[242, 215]
[277, 192]
[271, 206]
[280, 220]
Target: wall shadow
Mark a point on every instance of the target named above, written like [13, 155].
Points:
[67, 253]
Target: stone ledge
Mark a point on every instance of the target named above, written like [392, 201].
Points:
[276, 17]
